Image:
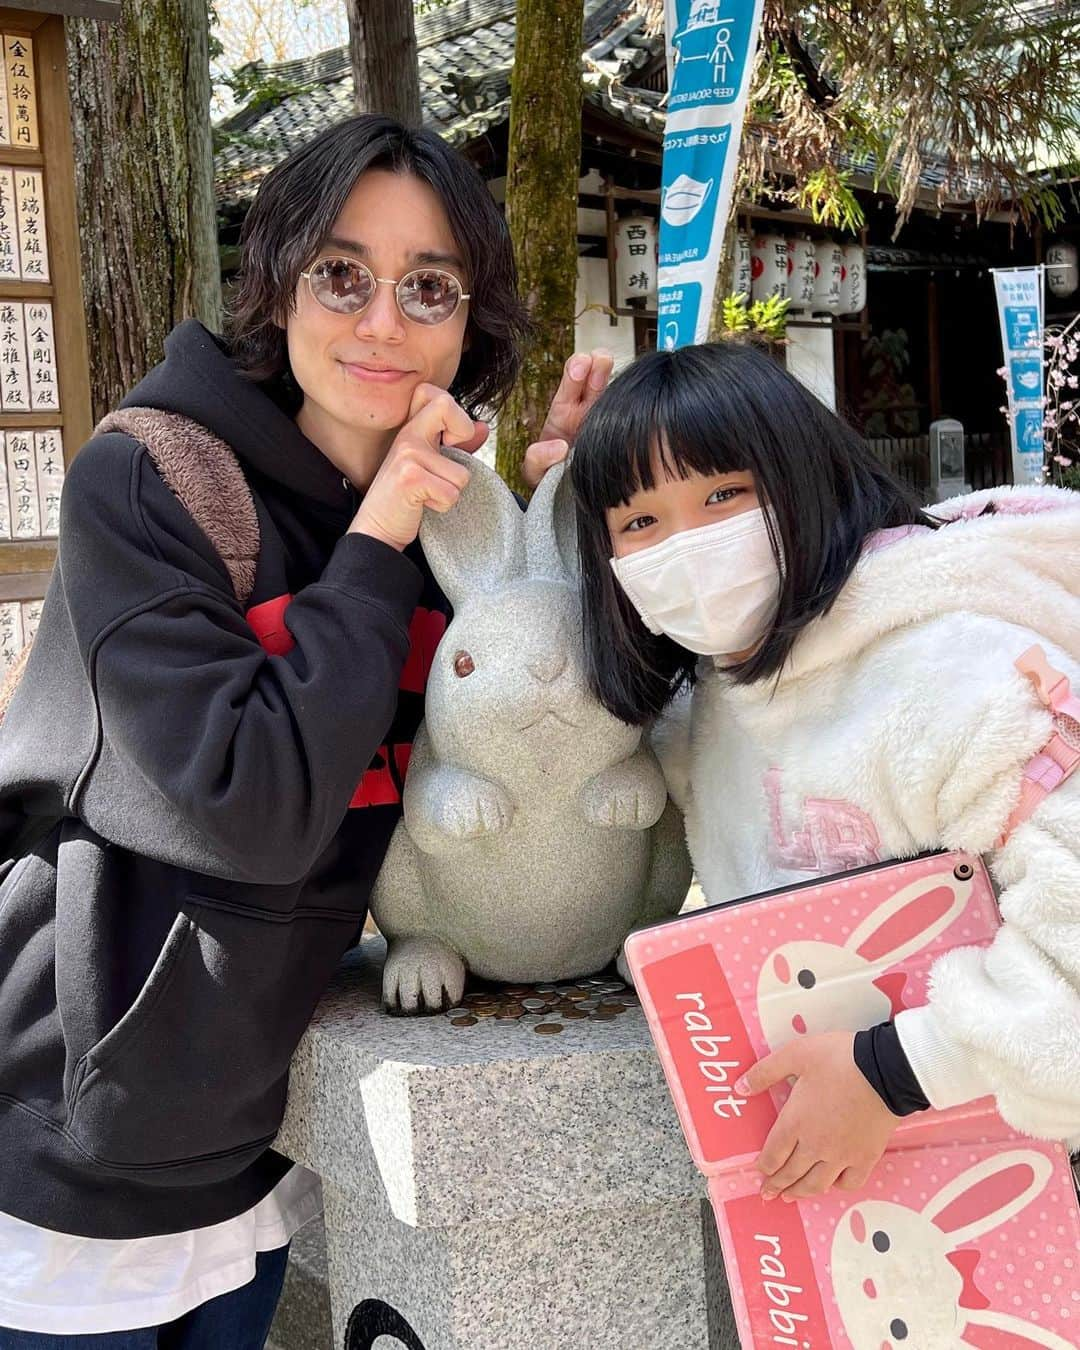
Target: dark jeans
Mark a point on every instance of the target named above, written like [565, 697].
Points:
[236, 1321]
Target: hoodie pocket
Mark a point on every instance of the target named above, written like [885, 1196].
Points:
[190, 1083]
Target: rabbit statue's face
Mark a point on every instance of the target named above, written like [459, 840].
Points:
[809, 987]
[892, 1279]
[508, 686]
[507, 695]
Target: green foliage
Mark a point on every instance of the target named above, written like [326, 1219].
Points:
[988, 88]
[827, 195]
[223, 137]
[764, 319]
[1070, 477]
[888, 406]
[1043, 202]
[736, 319]
[217, 51]
[255, 89]
[780, 77]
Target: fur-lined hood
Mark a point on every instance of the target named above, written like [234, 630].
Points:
[1011, 554]
[902, 725]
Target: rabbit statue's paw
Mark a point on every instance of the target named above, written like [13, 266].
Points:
[623, 967]
[474, 808]
[450, 804]
[422, 974]
[630, 795]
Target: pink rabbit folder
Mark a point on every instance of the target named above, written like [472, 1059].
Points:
[968, 1234]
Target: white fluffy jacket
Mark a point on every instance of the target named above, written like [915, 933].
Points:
[899, 725]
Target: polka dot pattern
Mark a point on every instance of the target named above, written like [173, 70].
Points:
[1027, 1262]
[1039, 1290]
[746, 936]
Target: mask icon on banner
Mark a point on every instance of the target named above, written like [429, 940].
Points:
[713, 590]
[671, 335]
[684, 198]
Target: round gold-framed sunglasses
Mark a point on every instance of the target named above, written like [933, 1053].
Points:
[427, 295]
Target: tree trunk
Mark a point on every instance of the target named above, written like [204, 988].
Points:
[382, 48]
[543, 166]
[725, 277]
[140, 111]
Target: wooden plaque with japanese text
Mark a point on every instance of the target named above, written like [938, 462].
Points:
[44, 371]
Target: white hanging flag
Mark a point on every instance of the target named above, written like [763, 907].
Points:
[1020, 312]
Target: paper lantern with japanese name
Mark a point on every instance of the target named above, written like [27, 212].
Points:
[800, 272]
[635, 259]
[743, 270]
[853, 280]
[828, 273]
[768, 266]
[1062, 272]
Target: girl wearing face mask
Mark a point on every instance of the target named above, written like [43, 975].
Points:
[854, 700]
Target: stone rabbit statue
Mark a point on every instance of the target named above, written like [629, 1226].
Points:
[537, 830]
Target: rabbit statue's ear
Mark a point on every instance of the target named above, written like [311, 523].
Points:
[911, 918]
[479, 544]
[551, 528]
[989, 1194]
[1000, 1331]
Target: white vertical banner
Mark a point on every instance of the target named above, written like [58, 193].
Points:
[1020, 311]
[710, 49]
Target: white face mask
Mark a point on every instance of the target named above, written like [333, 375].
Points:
[713, 590]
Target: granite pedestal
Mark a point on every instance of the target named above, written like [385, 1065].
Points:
[489, 1188]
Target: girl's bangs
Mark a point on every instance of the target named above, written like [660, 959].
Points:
[664, 404]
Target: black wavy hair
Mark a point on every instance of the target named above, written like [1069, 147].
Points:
[295, 210]
[721, 408]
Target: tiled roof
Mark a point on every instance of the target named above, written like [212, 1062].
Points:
[466, 52]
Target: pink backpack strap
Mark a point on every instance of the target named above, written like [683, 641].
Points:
[1060, 756]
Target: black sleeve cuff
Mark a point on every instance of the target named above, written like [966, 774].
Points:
[370, 570]
[880, 1059]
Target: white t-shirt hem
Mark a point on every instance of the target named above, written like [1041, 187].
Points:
[125, 1315]
[93, 1300]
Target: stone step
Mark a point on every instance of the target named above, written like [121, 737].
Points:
[303, 1316]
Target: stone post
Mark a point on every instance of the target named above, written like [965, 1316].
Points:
[488, 1187]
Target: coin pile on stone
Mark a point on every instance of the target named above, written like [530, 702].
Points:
[547, 1008]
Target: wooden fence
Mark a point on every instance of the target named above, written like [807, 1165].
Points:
[987, 459]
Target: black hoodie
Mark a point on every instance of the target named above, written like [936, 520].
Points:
[190, 824]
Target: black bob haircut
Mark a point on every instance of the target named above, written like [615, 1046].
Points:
[721, 408]
[294, 213]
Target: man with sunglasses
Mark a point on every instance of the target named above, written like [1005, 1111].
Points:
[197, 793]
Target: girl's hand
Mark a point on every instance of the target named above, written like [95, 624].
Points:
[415, 475]
[833, 1128]
[585, 377]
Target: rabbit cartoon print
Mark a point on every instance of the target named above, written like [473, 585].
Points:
[537, 830]
[809, 986]
[905, 1276]
[970, 1244]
